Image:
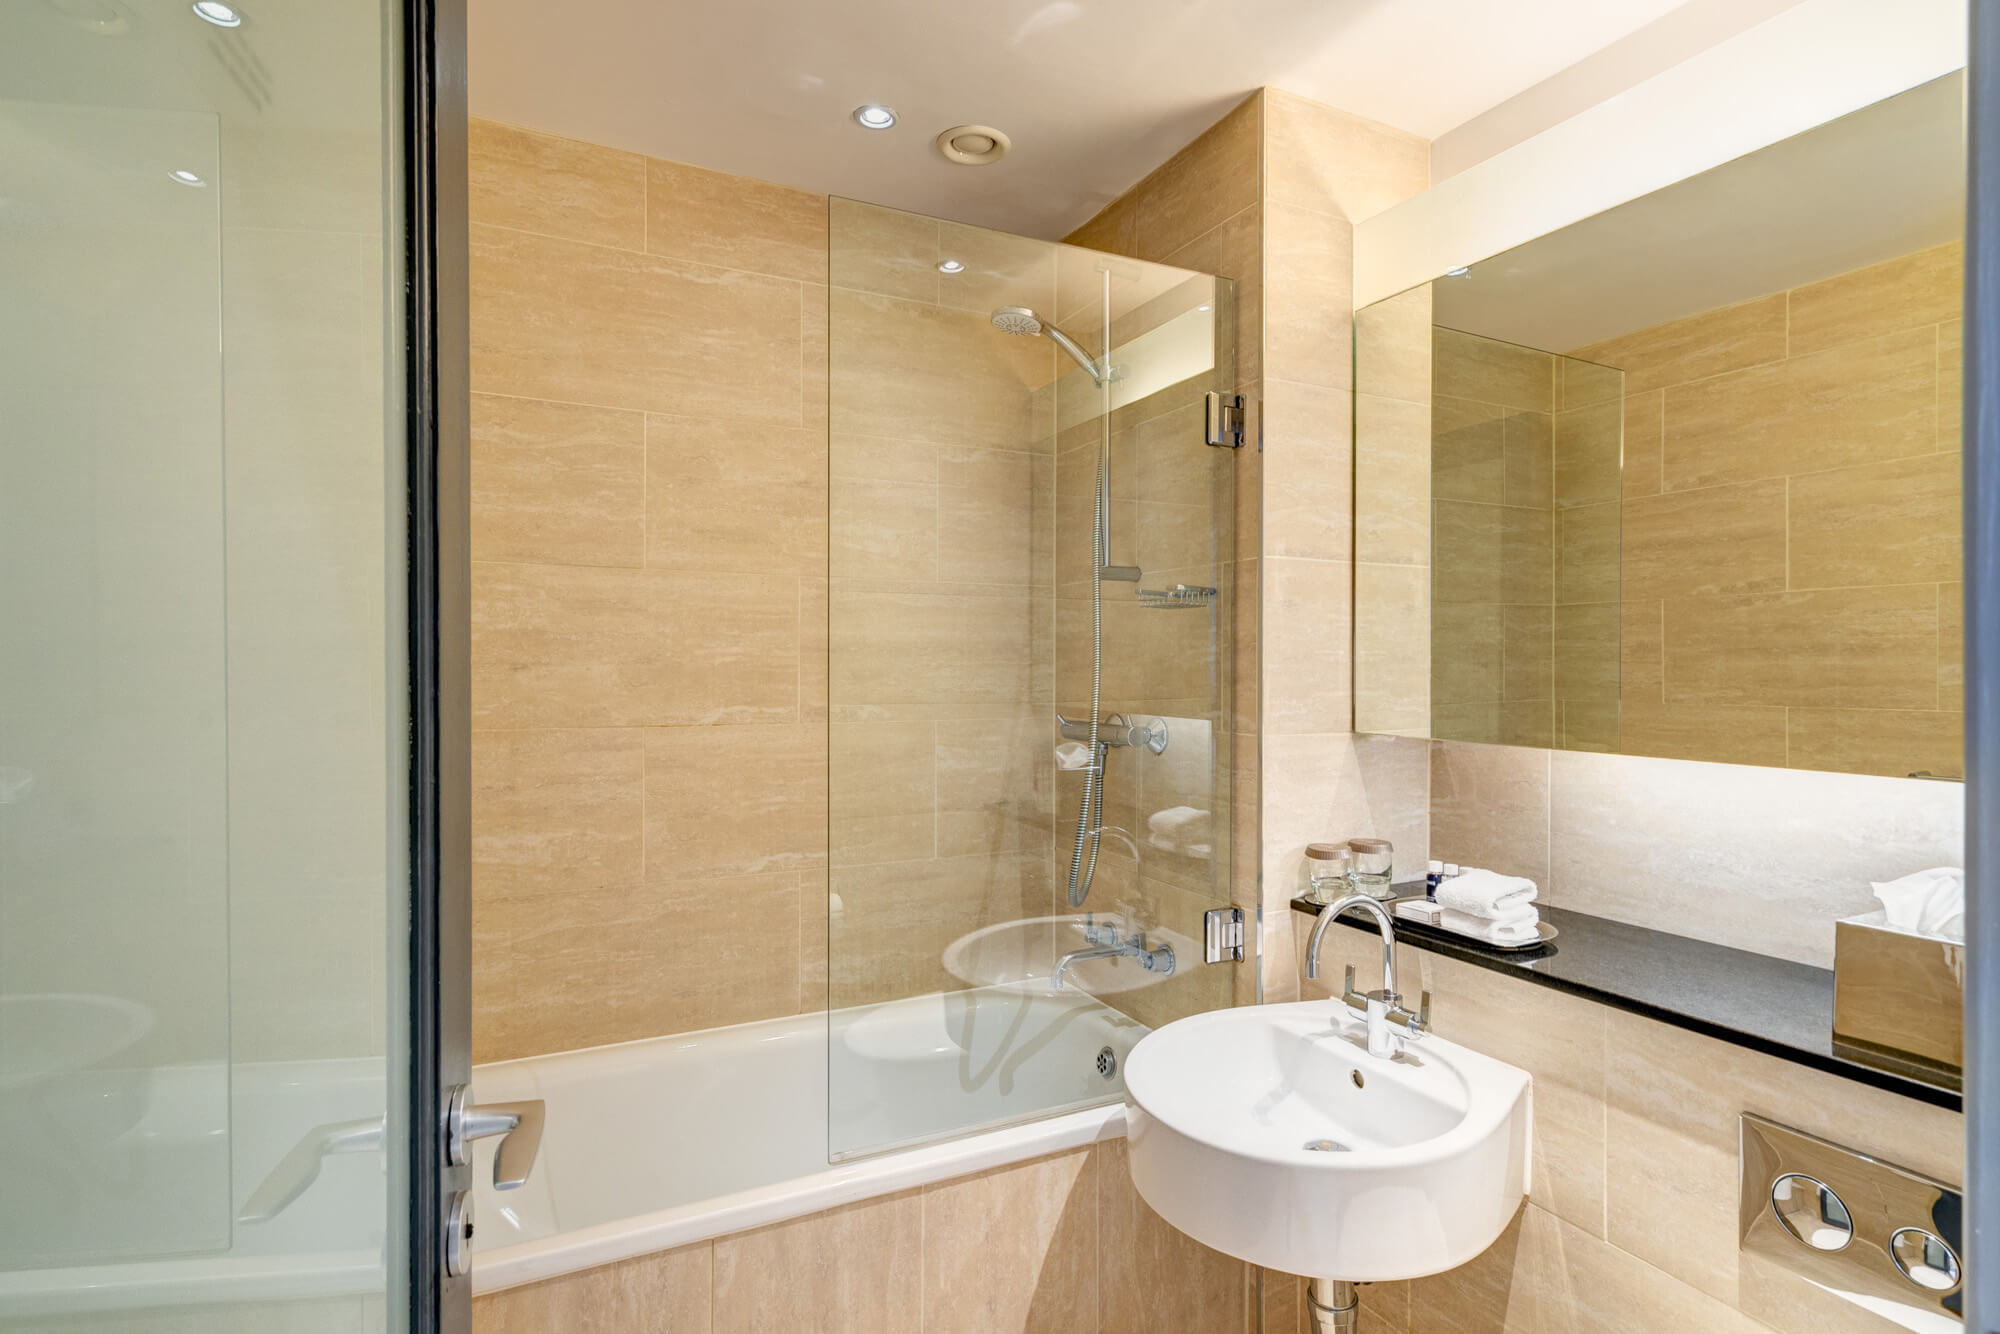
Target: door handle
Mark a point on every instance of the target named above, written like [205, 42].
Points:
[518, 1123]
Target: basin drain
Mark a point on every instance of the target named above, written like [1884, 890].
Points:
[1107, 1063]
[1325, 1146]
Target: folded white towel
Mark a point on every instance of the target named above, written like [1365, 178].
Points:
[1486, 893]
[1517, 929]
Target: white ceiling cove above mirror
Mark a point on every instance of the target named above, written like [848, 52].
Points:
[1813, 63]
[1868, 187]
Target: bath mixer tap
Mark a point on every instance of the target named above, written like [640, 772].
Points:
[1107, 942]
[1390, 1026]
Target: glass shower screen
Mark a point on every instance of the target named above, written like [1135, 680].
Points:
[1025, 518]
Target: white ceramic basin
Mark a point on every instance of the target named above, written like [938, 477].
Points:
[1432, 1146]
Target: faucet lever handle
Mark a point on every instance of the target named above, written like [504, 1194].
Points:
[1353, 999]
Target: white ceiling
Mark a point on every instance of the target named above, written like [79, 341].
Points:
[1884, 181]
[1095, 93]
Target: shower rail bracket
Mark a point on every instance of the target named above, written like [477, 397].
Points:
[1224, 420]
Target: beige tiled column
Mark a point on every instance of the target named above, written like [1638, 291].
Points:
[1323, 171]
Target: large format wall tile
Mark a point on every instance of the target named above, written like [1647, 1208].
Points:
[1712, 343]
[1719, 539]
[1759, 859]
[560, 320]
[534, 182]
[1856, 403]
[740, 497]
[557, 483]
[733, 222]
[1881, 523]
[649, 536]
[851, 1270]
[1028, 1250]
[734, 800]
[1489, 371]
[1926, 287]
[557, 811]
[666, 1290]
[1873, 648]
[582, 967]
[578, 647]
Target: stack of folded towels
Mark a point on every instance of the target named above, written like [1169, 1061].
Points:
[1498, 909]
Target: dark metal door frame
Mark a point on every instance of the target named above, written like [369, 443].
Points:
[1982, 671]
[438, 402]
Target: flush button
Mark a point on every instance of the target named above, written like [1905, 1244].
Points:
[1810, 1211]
[1924, 1259]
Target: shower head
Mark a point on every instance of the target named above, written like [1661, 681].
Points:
[1021, 320]
[1017, 320]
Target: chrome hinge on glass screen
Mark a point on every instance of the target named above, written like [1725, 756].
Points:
[1225, 420]
[1224, 930]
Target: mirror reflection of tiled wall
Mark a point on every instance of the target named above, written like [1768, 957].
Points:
[1791, 525]
[1524, 493]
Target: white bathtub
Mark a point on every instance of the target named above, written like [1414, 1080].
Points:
[663, 1142]
[327, 1244]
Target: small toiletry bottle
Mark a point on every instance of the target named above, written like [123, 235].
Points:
[1450, 870]
[1371, 866]
[1328, 864]
[1433, 873]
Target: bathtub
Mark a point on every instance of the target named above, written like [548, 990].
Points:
[658, 1143]
[326, 1245]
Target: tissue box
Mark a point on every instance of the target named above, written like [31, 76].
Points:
[1899, 998]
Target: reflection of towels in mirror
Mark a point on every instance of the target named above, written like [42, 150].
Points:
[1181, 829]
[1178, 786]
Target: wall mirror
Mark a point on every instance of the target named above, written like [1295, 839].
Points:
[1682, 479]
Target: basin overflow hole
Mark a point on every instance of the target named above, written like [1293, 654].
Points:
[1107, 1063]
[1360, 1080]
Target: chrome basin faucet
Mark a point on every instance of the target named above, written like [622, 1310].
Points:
[1389, 1024]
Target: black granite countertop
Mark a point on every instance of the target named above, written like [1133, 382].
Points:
[1775, 1006]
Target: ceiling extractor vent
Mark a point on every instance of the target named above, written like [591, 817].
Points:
[974, 145]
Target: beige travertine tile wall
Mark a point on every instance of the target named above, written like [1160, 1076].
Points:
[942, 551]
[1056, 1245]
[1524, 473]
[1791, 525]
[1268, 197]
[1761, 859]
[649, 595]
[1630, 1225]
[1204, 210]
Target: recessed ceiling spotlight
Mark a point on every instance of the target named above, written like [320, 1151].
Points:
[1458, 272]
[951, 266]
[221, 15]
[186, 178]
[973, 145]
[1204, 307]
[874, 116]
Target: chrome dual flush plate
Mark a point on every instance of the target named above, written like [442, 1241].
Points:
[1859, 1229]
